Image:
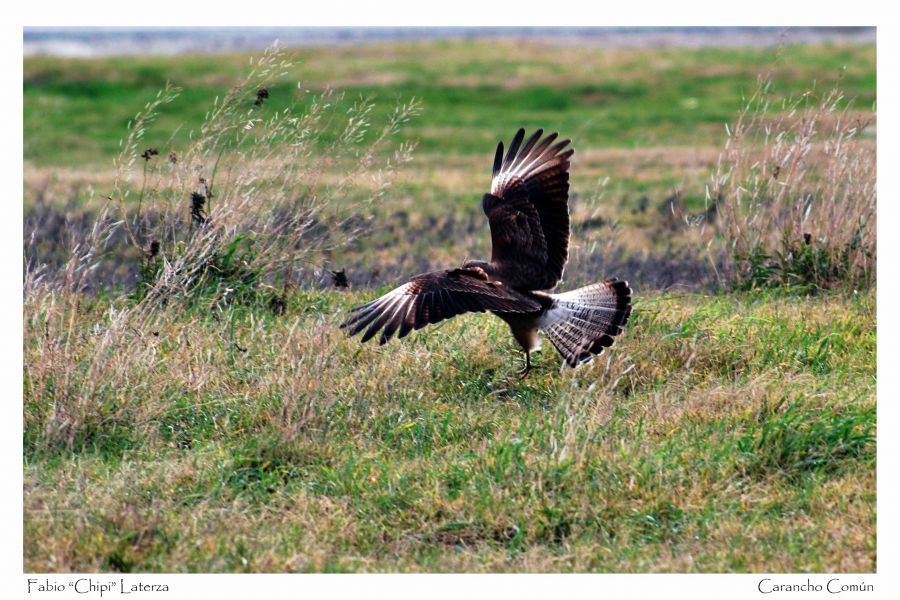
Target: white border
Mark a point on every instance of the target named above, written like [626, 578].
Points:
[460, 12]
[465, 12]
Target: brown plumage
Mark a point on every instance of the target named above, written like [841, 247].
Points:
[528, 213]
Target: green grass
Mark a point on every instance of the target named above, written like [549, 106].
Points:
[723, 432]
[716, 421]
[649, 122]
[76, 110]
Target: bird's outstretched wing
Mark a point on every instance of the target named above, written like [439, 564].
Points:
[528, 211]
[433, 297]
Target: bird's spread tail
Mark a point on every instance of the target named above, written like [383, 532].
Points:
[583, 322]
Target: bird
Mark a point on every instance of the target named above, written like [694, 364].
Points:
[528, 214]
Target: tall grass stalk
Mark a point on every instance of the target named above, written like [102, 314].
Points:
[257, 196]
[795, 186]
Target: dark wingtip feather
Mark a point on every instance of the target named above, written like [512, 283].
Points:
[498, 159]
[370, 332]
[556, 150]
[514, 145]
[532, 141]
[406, 326]
[361, 324]
[362, 315]
[393, 324]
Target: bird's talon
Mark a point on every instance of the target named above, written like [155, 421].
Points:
[524, 372]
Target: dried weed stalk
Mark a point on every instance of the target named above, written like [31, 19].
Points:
[796, 192]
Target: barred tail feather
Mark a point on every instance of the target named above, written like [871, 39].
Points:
[583, 322]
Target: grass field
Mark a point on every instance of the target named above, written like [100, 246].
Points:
[724, 432]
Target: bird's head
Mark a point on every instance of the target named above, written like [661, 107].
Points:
[469, 264]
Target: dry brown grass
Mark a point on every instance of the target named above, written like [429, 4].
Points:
[797, 191]
[340, 433]
[201, 222]
[722, 432]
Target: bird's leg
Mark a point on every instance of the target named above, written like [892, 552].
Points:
[527, 368]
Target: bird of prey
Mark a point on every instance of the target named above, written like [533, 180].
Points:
[528, 213]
